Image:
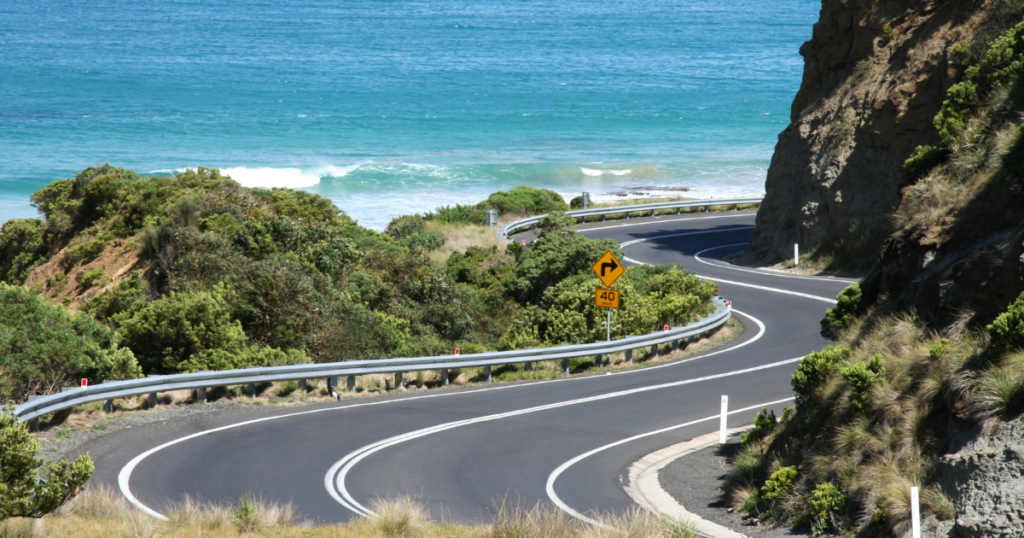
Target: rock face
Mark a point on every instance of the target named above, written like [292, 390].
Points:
[984, 476]
[875, 75]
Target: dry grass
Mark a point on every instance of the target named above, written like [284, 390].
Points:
[459, 237]
[104, 513]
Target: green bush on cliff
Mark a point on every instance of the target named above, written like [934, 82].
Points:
[521, 200]
[1007, 330]
[22, 247]
[44, 347]
[816, 369]
[849, 303]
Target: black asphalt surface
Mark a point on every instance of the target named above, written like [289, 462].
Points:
[462, 471]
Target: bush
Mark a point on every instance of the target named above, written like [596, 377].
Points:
[92, 277]
[849, 304]
[552, 258]
[779, 484]
[816, 369]
[23, 245]
[1007, 330]
[765, 424]
[826, 503]
[23, 493]
[45, 347]
[924, 159]
[524, 201]
[860, 377]
[456, 214]
[84, 251]
[411, 232]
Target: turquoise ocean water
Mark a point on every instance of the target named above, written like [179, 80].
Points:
[394, 107]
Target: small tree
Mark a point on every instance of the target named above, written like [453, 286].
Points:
[22, 493]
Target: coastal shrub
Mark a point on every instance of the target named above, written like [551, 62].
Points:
[454, 214]
[554, 257]
[129, 295]
[524, 200]
[816, 369]
[861, 376]
[764, 424]
[23, 492]
[576, 203]
[44, 347]
[92, 277]
[922, 161]
[849, 305]
[411, 232]
[827, 503]
[23, 245]
[87, 250]
[1007, 330]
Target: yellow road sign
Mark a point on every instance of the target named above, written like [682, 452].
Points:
[606, 298]
[608, 269]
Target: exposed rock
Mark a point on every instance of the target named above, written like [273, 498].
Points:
[984, 476]
[875, 75]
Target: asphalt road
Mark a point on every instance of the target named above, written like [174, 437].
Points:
[461, 451]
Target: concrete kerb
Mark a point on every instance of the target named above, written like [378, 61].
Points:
[645, 489]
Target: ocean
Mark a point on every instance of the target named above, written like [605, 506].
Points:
[395, 107]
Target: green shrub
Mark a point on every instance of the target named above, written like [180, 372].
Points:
[1007, 330]
[45, 347]
[849, 305]
[861, 376]
[765, 424]
[456, 214]
[936, 352]
[552, 258]
[923, 160]
[779, 484]
[524, 201]
[816, 369]
[92, 277]
[576, 203]
[411, 232]
[23, 492]
[826, 503]
[23, 245]
[84, 251]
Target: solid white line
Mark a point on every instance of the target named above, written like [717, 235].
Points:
[766, 273]
[680, 234]
[561, 468]
[745, 285]
[124, 477]
[342, 467]
[648, 223]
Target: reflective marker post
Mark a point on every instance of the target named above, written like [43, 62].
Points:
[608, 326]
[723, 421]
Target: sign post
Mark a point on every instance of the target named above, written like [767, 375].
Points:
[608, 269]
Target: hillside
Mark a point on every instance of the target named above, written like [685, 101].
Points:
[128, 275]
[905, 159]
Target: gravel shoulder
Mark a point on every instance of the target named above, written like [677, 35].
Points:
[695, 479]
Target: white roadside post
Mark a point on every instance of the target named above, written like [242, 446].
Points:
[915, 512]
[723, 420]
[796, 253]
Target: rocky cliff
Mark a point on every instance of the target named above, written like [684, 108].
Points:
[876, 74]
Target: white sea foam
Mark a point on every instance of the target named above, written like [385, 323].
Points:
[596, 173]
[268, 177]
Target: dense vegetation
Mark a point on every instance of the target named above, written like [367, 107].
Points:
[520, 201]
[872, 419]
[220, 276]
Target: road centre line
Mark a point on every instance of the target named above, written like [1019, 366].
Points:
[648, 223]
[124, 477]
[767, 273]
[561, 468]
[339, 471]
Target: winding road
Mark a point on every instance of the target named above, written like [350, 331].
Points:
[459, 451]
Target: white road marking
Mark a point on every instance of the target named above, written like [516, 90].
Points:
[680, 234]
[339, 471]
[124, 477]
[766, 273]
[561, 468]
[648, 223]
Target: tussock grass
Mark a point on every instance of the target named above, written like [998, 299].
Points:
[104, 512]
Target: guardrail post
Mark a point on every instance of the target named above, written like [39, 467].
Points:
[303, 386]
[678, 209]
[33, 424]
[251, 389]
[487, 373]
[675, 346]
[201, 394]
[652, 212]
[528, 366]
[565, 367]
[398, 380]
[735, 207]
[597, 360]
[602, 218]
[108, 406]
[152, 400]
[654, 352]
[351, 383]
[629, 356]
[444, 376]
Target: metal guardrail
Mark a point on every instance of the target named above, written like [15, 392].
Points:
[510, 227]
[202, 380]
